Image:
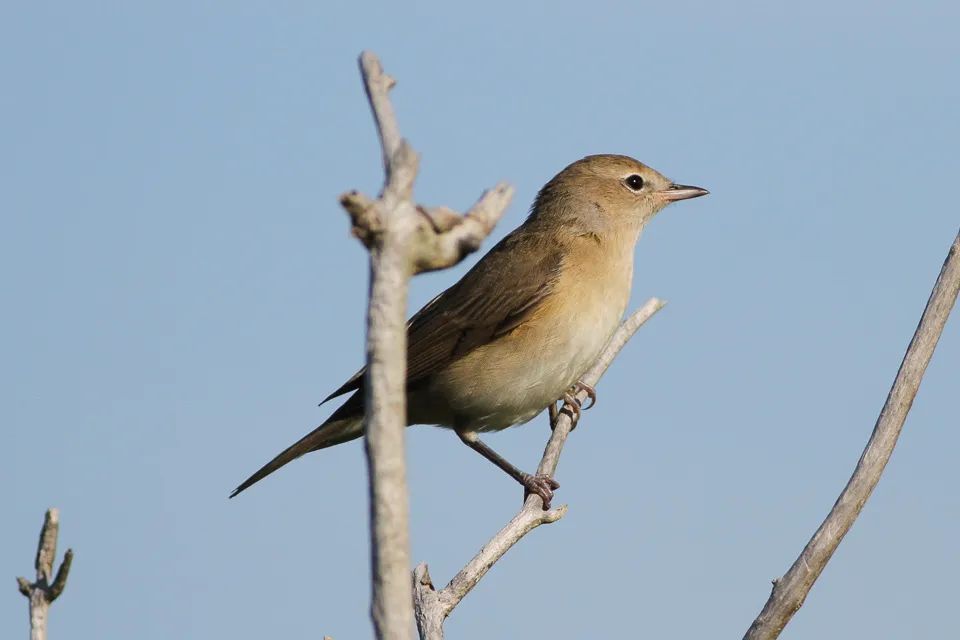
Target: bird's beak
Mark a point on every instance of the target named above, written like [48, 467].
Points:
[681, 192]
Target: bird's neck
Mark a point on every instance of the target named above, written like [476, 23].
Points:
[618, 238]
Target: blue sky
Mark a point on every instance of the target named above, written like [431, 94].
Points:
[180, 290]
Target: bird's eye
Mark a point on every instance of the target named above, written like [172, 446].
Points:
[635, 182]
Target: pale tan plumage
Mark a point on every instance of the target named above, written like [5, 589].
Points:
[527, 321]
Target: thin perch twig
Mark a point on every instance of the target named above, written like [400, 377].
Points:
[403, 239]
[791, 590]
[432, 606]
[47, 588]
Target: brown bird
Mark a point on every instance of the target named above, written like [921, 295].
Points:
[517, 332]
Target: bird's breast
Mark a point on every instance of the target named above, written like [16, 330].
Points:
[514, 378]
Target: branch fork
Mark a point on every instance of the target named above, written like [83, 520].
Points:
[440, 237]
[404, 239]
[47, 587]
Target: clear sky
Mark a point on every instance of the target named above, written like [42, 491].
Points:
[180, 290]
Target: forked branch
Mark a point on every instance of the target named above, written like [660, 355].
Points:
[47, 587]
[404, 239]
[432, 606]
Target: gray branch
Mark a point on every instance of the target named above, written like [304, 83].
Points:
[46, 589]
[404, 239]
[791, 590]
[431, 606]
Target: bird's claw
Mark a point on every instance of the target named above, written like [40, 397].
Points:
[573, 405]
[591, 393]
[542, 486]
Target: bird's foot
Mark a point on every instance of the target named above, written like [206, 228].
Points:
[543, 486]
[591, 393]
[572, 404]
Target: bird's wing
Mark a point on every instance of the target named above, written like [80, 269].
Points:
[499, 294]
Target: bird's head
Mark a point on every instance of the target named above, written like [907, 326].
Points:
[607, 192]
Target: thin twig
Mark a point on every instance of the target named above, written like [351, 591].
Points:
[431, 606]
[791, 590]
[377, 84]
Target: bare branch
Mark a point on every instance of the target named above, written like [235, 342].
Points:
[432, 606]
[403, 240]
[450, 238]
[426, 605]
[60, 582]
[791, 590]
[41, 593]
[401, 174]
[386, 360]
[551, 455]
[365, 216]
[378, 85]
[47, 547]
[442, 237]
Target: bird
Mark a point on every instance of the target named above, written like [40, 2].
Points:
[517, 332]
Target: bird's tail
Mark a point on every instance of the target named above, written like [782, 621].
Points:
[333, 431]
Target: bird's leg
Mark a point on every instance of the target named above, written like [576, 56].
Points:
[543, 486]
[572, 404]
[554, 414]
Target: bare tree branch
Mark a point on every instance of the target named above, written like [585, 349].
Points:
[450, 238]
[432, 606]
[791, 590]
[377, 84]
[47, 547]
[60, 582]
[403, 239]
[43, 592]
